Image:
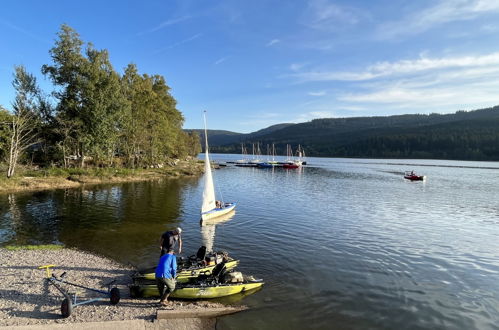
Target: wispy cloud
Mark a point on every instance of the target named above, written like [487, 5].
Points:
[273, 42]
[23, 31]
[166, 23]
[181, 42]
[319, 93]
[325, 15]
[426, 83]
[445, 11]
[297, 66]
[402, 67]
[221, 60]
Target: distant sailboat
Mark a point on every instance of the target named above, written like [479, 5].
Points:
[290, 162]
[210, 209]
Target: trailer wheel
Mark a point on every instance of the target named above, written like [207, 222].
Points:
[115, 296]
[66, 308]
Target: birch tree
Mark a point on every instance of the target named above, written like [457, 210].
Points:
[25, 119]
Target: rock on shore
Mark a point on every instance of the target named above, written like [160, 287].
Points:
[26, 297]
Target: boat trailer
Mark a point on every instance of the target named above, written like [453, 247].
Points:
[70, 298]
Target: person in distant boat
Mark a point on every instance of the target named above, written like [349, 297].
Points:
[165, 276]
[218, 204]
[169, 241]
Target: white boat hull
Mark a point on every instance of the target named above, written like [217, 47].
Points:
[215, 213]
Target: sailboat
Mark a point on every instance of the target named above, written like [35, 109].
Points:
[210, 208]
[290, 162]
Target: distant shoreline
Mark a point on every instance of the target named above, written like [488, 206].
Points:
[37, 180]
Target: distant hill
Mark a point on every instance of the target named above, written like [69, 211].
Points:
[220, 138]
[464, 135]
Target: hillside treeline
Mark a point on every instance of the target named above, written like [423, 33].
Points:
[464, 135]
[94, 115]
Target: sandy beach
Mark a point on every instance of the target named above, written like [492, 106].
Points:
[26, 298]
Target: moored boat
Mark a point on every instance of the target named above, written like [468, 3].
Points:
[410, 175]
[210, 208]
[219, 283]
[197, 291]
[190, 268]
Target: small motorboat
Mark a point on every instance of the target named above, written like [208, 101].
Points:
[219, 283]
[190, 268]
[410, 175]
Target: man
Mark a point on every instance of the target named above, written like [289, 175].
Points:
[169, 241]
[165, 276]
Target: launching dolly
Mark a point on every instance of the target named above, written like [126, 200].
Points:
[70, 298]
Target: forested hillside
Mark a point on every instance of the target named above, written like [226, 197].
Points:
[466, 135]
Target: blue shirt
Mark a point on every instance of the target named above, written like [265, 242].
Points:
[167, 266]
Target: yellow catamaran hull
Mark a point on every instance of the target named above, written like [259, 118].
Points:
[186, 275]
[196, 292]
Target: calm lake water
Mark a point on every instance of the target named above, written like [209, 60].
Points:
[341, 243]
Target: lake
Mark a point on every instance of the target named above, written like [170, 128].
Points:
[340, 243]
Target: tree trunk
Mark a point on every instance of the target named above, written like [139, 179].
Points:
[13, 150]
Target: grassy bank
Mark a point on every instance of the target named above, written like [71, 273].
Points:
[29, 179]
[33, 247]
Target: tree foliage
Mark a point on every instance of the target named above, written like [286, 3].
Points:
[464, 135]
[102, 116]
[26, 119]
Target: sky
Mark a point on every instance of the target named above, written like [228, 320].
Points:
[252, 64]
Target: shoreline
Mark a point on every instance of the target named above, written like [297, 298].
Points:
[28, 300]
[40, 180]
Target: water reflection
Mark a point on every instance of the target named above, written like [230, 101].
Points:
[208, 229]
[104, 218]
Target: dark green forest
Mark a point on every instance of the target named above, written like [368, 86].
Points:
[464, 135]
[94, 116]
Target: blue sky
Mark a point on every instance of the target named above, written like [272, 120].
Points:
[252, 64]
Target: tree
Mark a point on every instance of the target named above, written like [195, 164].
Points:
[5, 132]
[90, 98]
[66, 72]
[26, 117]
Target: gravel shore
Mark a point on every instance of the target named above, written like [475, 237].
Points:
[26, 298]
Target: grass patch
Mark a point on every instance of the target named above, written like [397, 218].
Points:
[34, 247]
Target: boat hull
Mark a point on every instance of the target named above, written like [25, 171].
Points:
[215, 213]
[196, 291]
[185, 275]
[414, 177]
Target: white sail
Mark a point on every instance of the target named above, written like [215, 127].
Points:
[209, 188]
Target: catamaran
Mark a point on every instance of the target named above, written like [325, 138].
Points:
[211, 208]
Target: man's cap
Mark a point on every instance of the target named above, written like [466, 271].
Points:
[179, 230]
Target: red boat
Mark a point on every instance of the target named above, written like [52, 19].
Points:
[410, 175]
[290, 165]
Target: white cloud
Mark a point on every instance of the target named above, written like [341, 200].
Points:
[181, 42]
[169, 22]
[296, 66]
[318, 93]
[327, 16]
[221, 60]
[23, 31]
[445, 11]
[273, 42]
[425, 83]
[402, 67]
